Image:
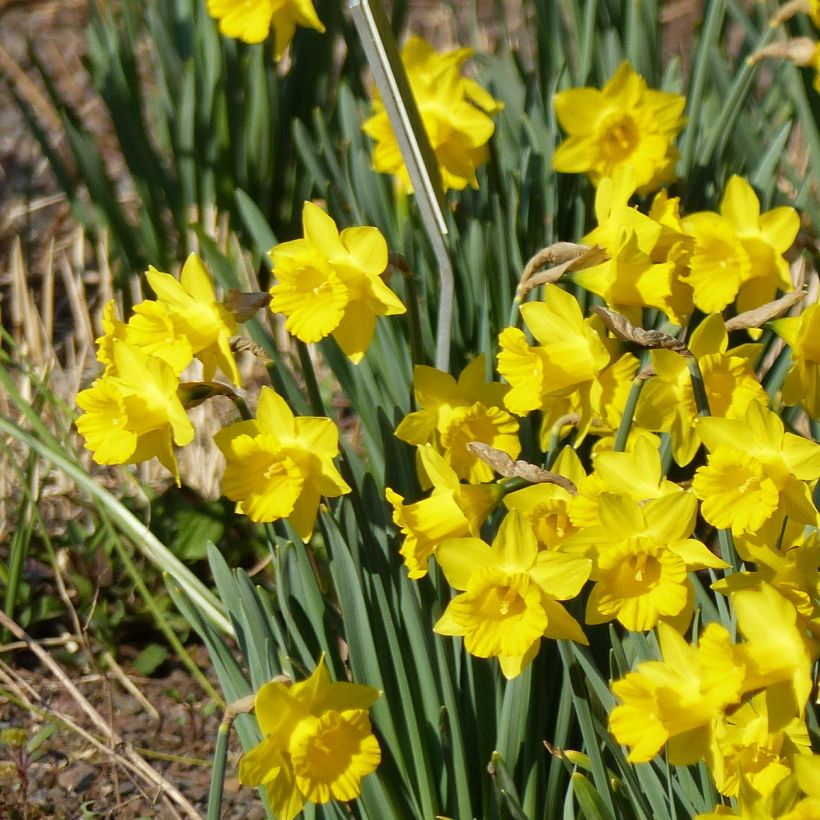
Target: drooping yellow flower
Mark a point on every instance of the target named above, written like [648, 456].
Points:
[680, 700]
[750, 751]
[511, 594]
[630, 280]
[738, 253]
[641, 556]
[777, 654]
[755, 470]
[190, 305]
[317, 742]
[645, 252]
[802, 334]
[614, 215]
[251, 20]
[546, 506]
[574, 369]
[455, 111]
[278, 465]
[667, 402]
[133, 412]
[454, 413]
[786, 558]
[452, 510]
[624, 123]
[330, 283]
[570, 352]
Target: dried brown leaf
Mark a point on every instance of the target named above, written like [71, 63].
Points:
[563, 257]
[504, 465]
[765, 313]
[244, 306]
[624, 329]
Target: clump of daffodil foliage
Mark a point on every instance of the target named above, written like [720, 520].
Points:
[598, 528]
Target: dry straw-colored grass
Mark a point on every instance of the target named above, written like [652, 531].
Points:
[53, 327]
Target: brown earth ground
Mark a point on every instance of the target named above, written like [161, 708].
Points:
[164, 719]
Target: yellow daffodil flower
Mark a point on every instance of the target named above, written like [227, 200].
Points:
[279, 466]
[802, 334]
[317, 742]
[630, 280]
[330, 283]
[251, 20]
[455, 111]
[641, 556]
[667, 402]
[191, 308]
[623, 124]
[679, 701]
[452, 510]
[454, 413]
[133, 412]
[738, 253]
[510, 594]
[636, 474]
[755, 471]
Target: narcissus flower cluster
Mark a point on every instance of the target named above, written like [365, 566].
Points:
[738, 706]
[620, 528]
[456, 113]
[135, 410]
[278, 466]
[641, 439]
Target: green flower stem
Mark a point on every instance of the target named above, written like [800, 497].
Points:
[776, 375]
[698, 387]
[625, 426]
[217, 788]
[317, 406]
[512, 484]
[555, 437]
[414, 315]
[242, 407]
[516, 319]
[727, 550]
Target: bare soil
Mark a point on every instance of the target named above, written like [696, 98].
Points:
[68, 778]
